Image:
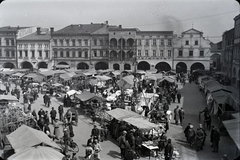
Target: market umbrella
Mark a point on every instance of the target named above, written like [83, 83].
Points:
[65, 76]
[37, 153]
[126, 82]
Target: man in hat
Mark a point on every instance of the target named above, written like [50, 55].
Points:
[95, 132]
[122, 143]
[168, 151]
[53, 114]
[215, 140]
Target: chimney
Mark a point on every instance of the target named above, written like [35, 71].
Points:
[120, 26]
[51, 30]
[106, 22]
[38, 31]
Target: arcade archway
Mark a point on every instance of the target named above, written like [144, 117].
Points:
[181, 67]
[196, 66]
[8, 65]
[42, 65]
[26, 65]
[63, 63]
[116, 66]
[143, 66]
[163, 66]
[127, 66]
[82, 65]
[101, 65]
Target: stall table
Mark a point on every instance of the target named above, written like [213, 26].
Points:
[150, 146]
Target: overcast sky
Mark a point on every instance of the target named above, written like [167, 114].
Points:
[212, 17]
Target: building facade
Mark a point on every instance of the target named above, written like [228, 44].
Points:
[236, 53]
[216, 52]
[83, 46]
[191, 52]
[34, 50]
[8, 47]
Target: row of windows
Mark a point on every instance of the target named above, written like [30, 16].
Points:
[40, 54]
[79, 42]
[8, 42]
[190, 53]
[180, 53]
[187, 42]
[154, 42]
[33, 45]
[8, 53]
[74, 54]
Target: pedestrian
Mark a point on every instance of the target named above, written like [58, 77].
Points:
[179, 96]
[46, 118]
[41, 113]
[191, 135]
[138, 142]
[208, 121]
[96, 149]
[173, 95]
[216, 139]
[56, 131]
[45, 99]
[90, 140]
[95, 132]
[53, 114]
[40, 122]
[205, 134]
[89, 152]
[199, 139]
[176, 115]
[71, 133]
[47, 130]
[211, 135]
[60, 112]
[168, 151]
[122, 143]
[181, 115]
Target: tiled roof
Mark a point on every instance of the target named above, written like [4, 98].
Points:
[154, 32]
[44, 35]
[80, 29]
[123, 29]
[192, 30]
[10, 29]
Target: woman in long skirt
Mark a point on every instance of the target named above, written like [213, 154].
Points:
[56, 131]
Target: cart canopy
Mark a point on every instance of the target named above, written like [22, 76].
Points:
[121, 114]
[85, 96]
[141, 123]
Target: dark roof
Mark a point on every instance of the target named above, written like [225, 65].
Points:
[83, 29]
[154, 32]
[123, 29]
[10, 29]
[44, 35]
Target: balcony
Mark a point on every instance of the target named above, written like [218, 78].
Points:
[7, 58]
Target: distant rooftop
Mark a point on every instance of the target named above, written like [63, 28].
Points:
[10, 29]
[44, 35]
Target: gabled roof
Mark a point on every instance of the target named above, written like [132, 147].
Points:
[192, 31]
[83, 29]
[44, 35]
[10, 29]
[123, 29]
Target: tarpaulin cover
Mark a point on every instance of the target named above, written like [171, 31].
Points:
[8, 98]
[103, 78]
[85, 96]
[121, 114]
[65, 76]
[18, 74]
[116, 73]
[37, 153]
[232, 126]
[47, 73]
[169, 79]
[126, 82]
[26, 136]
[217, 87]
[140, 123]
[221, 97]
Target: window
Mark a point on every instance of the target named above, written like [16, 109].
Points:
[67, 54]
[55, 54]
[12, 41]
[61, 54]
[55, 42]
[13, 53]
[201, 53]
[73, 42]
[33, 54]
[191, 53]
[86, 54]
[101, 53]
[20, 46]
[147, 42]
[169, 53]
[139, 53]
[46, 45]
[40, 53]
[20, 53]
[26, 53]
[161, 53]
[196, 43]
[101, 42]
[95, 53]
[7, 42]
[162, 42]
[154, 42]
[47, 55]
[39, 45]
[79, 54]
[67, 42]
[86, 42]
[73, 54]
[169, 42]
[187, 43]
[95, 42]
[61, 42]
[180, 53]
[139, 42]
[146, 52]
[154, 53]
[32, 46]
[7, 53]
[80, 42]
